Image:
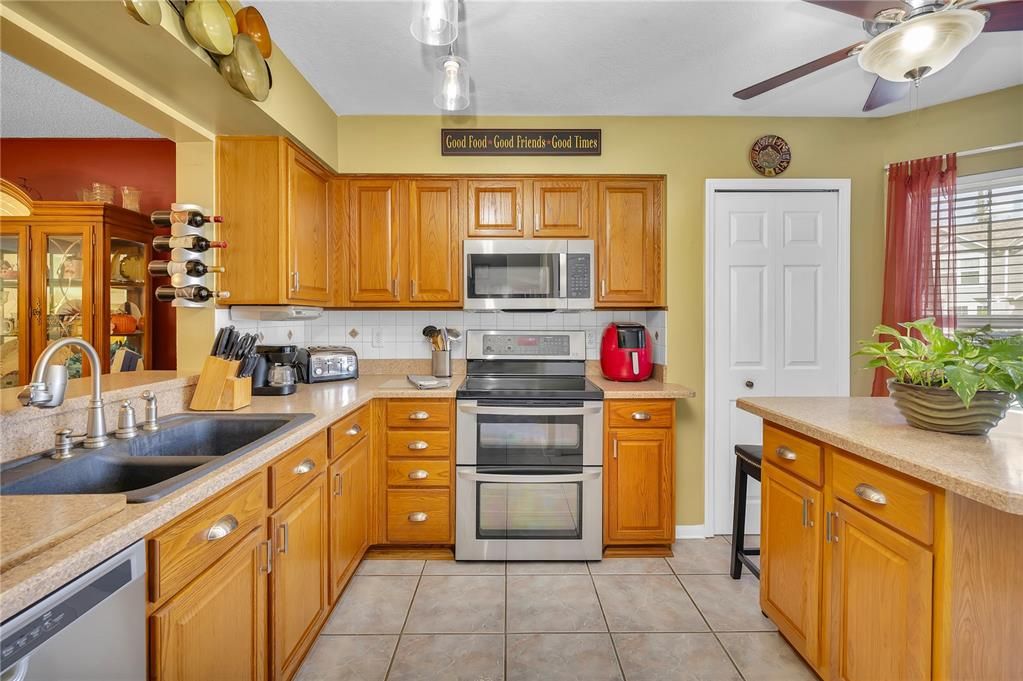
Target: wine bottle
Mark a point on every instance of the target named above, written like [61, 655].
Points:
[192, 218]
[191, 268]
[196, 293]
[192, 242]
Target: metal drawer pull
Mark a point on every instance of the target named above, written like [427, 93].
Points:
[417, 517]
[354, 430]
[284, 540]
[418, 444]
[269, 558]
[304, 467]
[419, 416]
[827, 527]
[222, 528]
[640, 416]
[806, 515]
[871, 494]
[337, 484]
[784, 452]
[418, 474]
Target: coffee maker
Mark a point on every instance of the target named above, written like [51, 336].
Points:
[275, 372]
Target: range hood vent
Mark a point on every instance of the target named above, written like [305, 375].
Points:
[275, 313]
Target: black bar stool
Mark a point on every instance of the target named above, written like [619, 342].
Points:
[747, 465]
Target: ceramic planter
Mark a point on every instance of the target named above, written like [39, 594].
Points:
[941, 410]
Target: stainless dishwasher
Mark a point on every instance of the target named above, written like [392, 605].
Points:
[91, 629]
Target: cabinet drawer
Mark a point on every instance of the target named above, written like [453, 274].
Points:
[898, 501]
[418, 473]
[418, 413]
[290, 472]
[793, 453]
[419, 516]
[183, 549]
[641, 413]
[349, 431]
[419, 443]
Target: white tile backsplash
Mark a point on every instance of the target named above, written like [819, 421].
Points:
[402, 329]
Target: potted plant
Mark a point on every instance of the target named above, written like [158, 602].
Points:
[961, 383]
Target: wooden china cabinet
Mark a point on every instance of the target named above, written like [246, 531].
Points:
[73, 269]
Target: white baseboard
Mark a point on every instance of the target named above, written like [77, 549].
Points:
[692, 532]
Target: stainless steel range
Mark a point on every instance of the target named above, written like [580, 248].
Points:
[529, 449]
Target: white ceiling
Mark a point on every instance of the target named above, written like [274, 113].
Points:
[33, 104]
[625, 57]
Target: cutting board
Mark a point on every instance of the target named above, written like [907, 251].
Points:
[30, 524]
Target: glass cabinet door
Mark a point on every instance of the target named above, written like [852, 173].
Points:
[65, 294]
[127, 301]
[13, 267]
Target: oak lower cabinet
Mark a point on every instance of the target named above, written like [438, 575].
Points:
[350, 486]
[216, 627]
[299, 598]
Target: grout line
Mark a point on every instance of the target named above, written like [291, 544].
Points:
[404, 623]
[600, 604]
[695, 604]
[505, 670]
[729, 655]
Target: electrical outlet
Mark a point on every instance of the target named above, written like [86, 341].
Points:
[591, 338]
[377, 338]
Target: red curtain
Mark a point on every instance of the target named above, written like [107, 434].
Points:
[919, 268]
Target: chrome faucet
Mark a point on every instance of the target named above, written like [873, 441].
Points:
[48, 384]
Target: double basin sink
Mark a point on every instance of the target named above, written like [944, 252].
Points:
[151, 465]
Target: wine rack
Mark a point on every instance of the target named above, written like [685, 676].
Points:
[181, 226]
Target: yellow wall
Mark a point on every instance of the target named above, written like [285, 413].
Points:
[689, 150]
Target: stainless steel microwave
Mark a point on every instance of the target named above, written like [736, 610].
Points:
[529, 274]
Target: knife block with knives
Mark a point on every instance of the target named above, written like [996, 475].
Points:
[225, 382]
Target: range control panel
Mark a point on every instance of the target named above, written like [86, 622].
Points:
[533, 345]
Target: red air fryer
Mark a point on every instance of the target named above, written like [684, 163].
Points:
[626, 352]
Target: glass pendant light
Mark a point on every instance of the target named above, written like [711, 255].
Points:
[451, 83]
[435, 22]
[921, 46]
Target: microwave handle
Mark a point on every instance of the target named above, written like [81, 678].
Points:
[529, 411]
[544, 479]
[563, 275]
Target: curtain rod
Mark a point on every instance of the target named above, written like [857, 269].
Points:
[981, 150]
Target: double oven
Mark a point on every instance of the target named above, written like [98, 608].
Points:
[529, 450]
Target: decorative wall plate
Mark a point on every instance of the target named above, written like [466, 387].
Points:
[770, 155]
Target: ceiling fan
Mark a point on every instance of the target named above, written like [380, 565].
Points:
[909, 40]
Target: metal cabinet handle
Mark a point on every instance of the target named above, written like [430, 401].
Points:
[394, 287]
[354, 430]
[749, 384]
[418, 444]
[418, 474]
[536, 222]
[616, 448]
[412, 284]
[827, 526]
[222, 528]
[784, 452]
[871, 494]
[337, 484]
[419, 416]
[304, 467]
[640, 416]
[283, 530]
[603, 287]
[417, 517]
[834, 527]
[809, 518]
[805, 513]
[269, 558]
[294, 281]
[518, 220]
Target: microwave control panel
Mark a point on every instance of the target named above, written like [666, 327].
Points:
[579, 274]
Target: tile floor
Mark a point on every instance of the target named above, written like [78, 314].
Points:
[621, 619]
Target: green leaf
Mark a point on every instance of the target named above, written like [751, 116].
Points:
[964, 381]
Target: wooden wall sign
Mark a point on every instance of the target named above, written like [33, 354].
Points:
[519, 142]
[770, 155]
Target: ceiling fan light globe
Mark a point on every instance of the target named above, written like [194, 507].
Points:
[434, 22]
[922, 45]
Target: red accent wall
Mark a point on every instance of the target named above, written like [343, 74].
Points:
[56, 168]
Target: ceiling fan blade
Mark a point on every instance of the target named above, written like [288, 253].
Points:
[798, 72]
[864, 9]
[885, 92]
[1004, 16]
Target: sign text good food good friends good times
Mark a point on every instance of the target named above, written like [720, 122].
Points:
[519, 142]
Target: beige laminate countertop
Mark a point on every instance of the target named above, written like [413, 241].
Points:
[988, 469]
[29, 581]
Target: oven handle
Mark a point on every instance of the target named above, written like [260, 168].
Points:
[531, 411]
[491, 477]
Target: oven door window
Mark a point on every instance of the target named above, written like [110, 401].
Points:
[527, 275]
[527, 510]
[529, 440]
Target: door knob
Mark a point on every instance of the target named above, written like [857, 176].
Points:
[749, 384]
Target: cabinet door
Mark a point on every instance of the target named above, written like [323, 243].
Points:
[435, 242]
[629, 244]
[299, 598]
[640, 473]
[374, 224]
[495, 207]
[563, 209]
[215, 628]
[791, 557]
[14, 307]
[880, 602]
[309, 242]
[349, 513]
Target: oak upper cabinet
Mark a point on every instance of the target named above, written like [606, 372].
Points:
[273, 198]
[630, 244]
[434, 241]
[881, 601]
[496, 207]
[790, 580]
[299, 598]
[215, 628]
[563, 208]
[374, 240]
[350, 488]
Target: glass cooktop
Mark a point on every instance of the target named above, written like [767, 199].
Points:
[529, 387]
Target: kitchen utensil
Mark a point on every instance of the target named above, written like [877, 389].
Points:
[251, 23]
[206, 23]
[217, 340]
[244, 69]
[225, 7]
[440, 363]
[146, 12]
[445, 342]
[454, 335]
